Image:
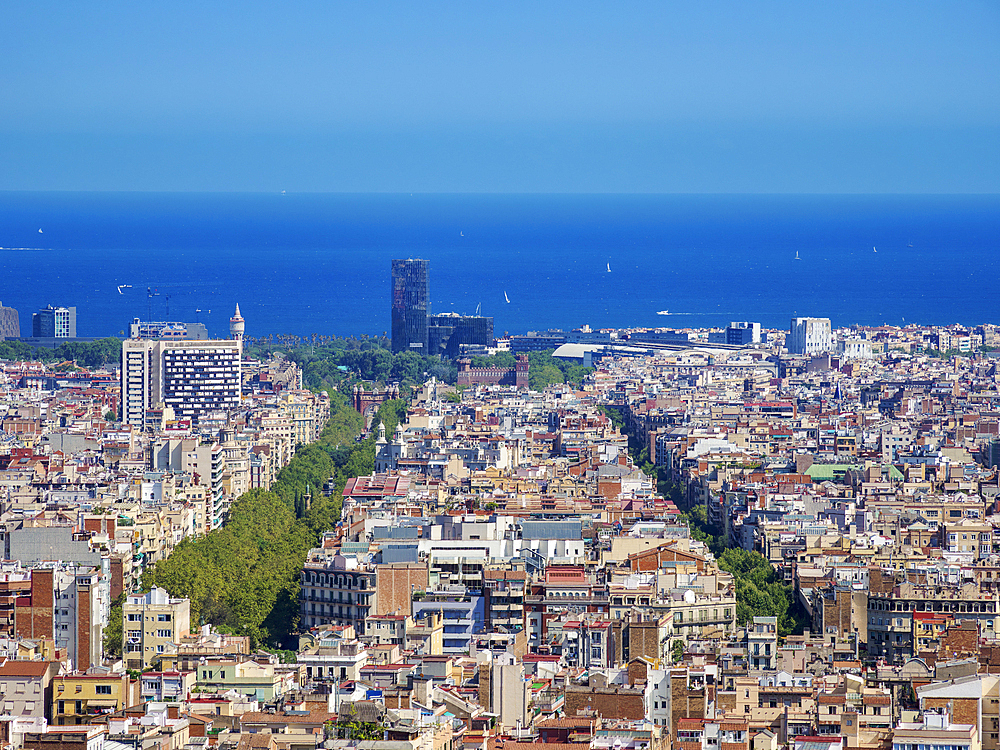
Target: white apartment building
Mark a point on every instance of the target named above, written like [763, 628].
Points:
[809, 336]
[193, 378]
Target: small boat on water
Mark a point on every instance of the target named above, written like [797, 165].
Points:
[506, 297]
[797, 255]
[609, 268]
[663, 312]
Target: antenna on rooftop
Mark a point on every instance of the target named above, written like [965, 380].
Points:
[150, 293]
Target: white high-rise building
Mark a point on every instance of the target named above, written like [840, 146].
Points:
[193, 378]
[809, 336]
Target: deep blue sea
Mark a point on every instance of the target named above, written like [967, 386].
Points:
[319, 263]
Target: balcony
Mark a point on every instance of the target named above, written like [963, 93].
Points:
[585, 600]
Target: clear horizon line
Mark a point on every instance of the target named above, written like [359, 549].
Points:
[4, 191]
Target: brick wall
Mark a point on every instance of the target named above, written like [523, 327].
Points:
[485, 684]
[393, 584]
[117, 582]
[649, 560]
[960, 641]
[610, 703]
[609, 488]
[644, 639]
[963, 710]
[396, 698]
[101, 524]
[684, 703]
[84, 632]
[33, 619]
[637, 672]
[837, 613]
[880, 582]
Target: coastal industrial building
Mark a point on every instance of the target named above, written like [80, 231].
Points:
[193, 378]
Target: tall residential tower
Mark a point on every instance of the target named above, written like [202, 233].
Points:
[193, 378]
[410, 306]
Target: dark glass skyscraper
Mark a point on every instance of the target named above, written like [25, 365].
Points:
[448, 331]
[410, 306]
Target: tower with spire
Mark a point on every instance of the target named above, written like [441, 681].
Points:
[236, 325]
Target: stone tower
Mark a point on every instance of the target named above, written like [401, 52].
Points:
[236, 326]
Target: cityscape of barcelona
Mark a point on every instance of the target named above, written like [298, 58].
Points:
[477, 376]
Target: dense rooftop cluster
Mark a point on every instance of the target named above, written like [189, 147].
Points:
[702, 547]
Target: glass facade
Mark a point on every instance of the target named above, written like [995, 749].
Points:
[54, 322]
[448, 331]
[410, 306]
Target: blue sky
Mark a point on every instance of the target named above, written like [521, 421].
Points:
[501, 97]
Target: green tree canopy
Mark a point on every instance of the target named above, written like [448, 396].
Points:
[244, 577]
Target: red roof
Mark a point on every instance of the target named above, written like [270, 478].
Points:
[380, 485]
[23, 668]
[693, 723]
[876, 700]
[827, 698]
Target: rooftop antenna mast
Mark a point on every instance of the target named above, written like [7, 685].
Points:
[150, 293]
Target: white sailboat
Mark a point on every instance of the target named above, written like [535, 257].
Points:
[797, 255]
[506, 297]
[609, 268]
